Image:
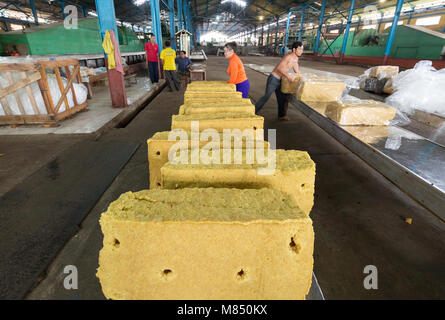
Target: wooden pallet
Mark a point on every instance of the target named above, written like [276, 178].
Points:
[31, 73]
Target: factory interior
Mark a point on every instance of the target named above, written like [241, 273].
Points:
[106, 104]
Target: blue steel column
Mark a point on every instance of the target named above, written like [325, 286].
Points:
[268, 36]
[320, 25]
[287, 32]
[262, 35]
[107, 21]
[303, 13]
[34, 12]
[392, 32]
[156, 22]
[106, 16]
[84, 11]
[62, 4]
[179, 8]
[184, 6]
[189, 23]
[380, 22]
[171, 7]
[276, 35]
[348, 25]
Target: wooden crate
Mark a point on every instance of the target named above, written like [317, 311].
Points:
[36, 72]
[198, 75]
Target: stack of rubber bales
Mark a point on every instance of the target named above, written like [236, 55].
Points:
[324, 94]
[228, 229]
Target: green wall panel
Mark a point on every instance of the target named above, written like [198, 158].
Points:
[59, 40]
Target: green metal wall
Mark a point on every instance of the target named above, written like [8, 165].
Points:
[59, 40]
[408, 44]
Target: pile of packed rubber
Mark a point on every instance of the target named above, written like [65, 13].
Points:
[226, 215]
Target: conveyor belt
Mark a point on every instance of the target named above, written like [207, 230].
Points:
[415, 164]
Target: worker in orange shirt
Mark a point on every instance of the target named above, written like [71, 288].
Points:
[236, 70]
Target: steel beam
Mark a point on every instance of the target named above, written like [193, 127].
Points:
[300, 34]
[179, 8]
[393, 30]
[156, 22]
[62, 5]
[320, 25]
[34, 12]
[171, 7]
[348, 25]
[286, 36]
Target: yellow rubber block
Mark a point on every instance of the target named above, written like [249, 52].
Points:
[294, 174]
[360, 112]
[211, 88]
[384, 71]
[212, 95]
[208, 83]
[159, 146]
[200, 244]
[320, 89]
[216, 100]
[218, 108]
[218, 121]
[290, 87]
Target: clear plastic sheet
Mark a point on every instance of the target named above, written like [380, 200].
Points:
[420, 88]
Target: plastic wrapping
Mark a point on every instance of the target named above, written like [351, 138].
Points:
[321, 89]
[381, 72]
[360, 112]
[80, 90]
[420, 88]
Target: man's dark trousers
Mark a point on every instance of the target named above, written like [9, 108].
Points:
[273, 84]
[172, 79]
[153, 70]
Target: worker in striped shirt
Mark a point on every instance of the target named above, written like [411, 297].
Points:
[236, 70]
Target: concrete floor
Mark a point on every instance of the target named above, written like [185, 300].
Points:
[358, 215]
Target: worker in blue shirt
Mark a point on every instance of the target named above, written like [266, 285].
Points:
[183, 63]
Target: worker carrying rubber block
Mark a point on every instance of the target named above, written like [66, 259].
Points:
[273, 84]
[218, 121]
[205, 244]
[292, 172]
[159, 146]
